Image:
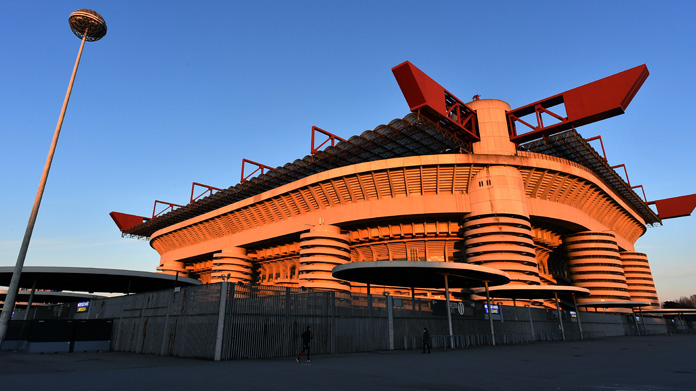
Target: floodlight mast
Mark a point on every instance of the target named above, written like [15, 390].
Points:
[87, 25]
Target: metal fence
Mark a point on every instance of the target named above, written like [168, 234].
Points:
[180, 322]
[266, 321]
[234, 321]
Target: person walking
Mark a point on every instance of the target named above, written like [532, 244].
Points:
[306, 337]
[426, 340]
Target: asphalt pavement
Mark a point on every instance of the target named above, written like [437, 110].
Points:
[653, 363]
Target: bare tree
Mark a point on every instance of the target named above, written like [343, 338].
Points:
[682, 302]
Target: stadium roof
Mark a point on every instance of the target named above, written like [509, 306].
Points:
[85, 279]
[420, 274]
[571, 146]
[50, 297]
[410, 136]
[615, 304]
[413, 135]
[531, 292]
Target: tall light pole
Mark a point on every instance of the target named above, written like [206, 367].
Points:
[87, 25]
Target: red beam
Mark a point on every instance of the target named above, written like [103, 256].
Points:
[604, 153]
[625, 171]
[169, 207]
[258, 165]
[125, 221]
[670, 208]
[434, 102]
[208, 189]
[643, 189]
[601, 99]
[332, 138]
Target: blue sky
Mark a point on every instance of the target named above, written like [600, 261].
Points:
[180, 91]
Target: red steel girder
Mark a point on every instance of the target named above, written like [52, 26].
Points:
[332, 138]
[434, 102]
[670, 208]
[643, 189]
[259, 166]
[596, 101]
[604, 153]
[169, 207]
[625, 171]
[208, 189]
[125, 221]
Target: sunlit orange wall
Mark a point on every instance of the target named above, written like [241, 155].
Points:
[542, 219]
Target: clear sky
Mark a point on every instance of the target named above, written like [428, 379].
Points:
[180, 91]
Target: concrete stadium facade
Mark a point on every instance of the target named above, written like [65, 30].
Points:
[543, 220]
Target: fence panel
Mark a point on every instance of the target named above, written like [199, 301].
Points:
[180, 322]
[268, 321]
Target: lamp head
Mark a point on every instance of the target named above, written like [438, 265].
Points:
[87, 22]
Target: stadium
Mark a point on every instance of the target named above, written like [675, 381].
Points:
[518, 190]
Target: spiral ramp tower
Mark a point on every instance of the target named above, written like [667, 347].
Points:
[172, 267]
[498, 232]
[322, 249]
[594, 263]
[502, 242]
[233, 265]
[639, 280]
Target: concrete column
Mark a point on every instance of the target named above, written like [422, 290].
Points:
[31, 299]
[221, 321]
[497, 232]
[493, 127]
[390, 319]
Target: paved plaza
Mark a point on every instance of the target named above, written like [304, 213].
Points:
[622, 363]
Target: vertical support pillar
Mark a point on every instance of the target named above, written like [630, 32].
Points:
[449, 312]
[531, 322]
[635, 320]
[163, 350]
[577, 314]
[560, 318]
[490, 312]
[221, 320]
[31, 299]
[334, 326]
[642, 319]
[390, 319]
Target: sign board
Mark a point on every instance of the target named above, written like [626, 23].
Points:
[457, 308]
[494, 312]
[494, 309]
[83, 306]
